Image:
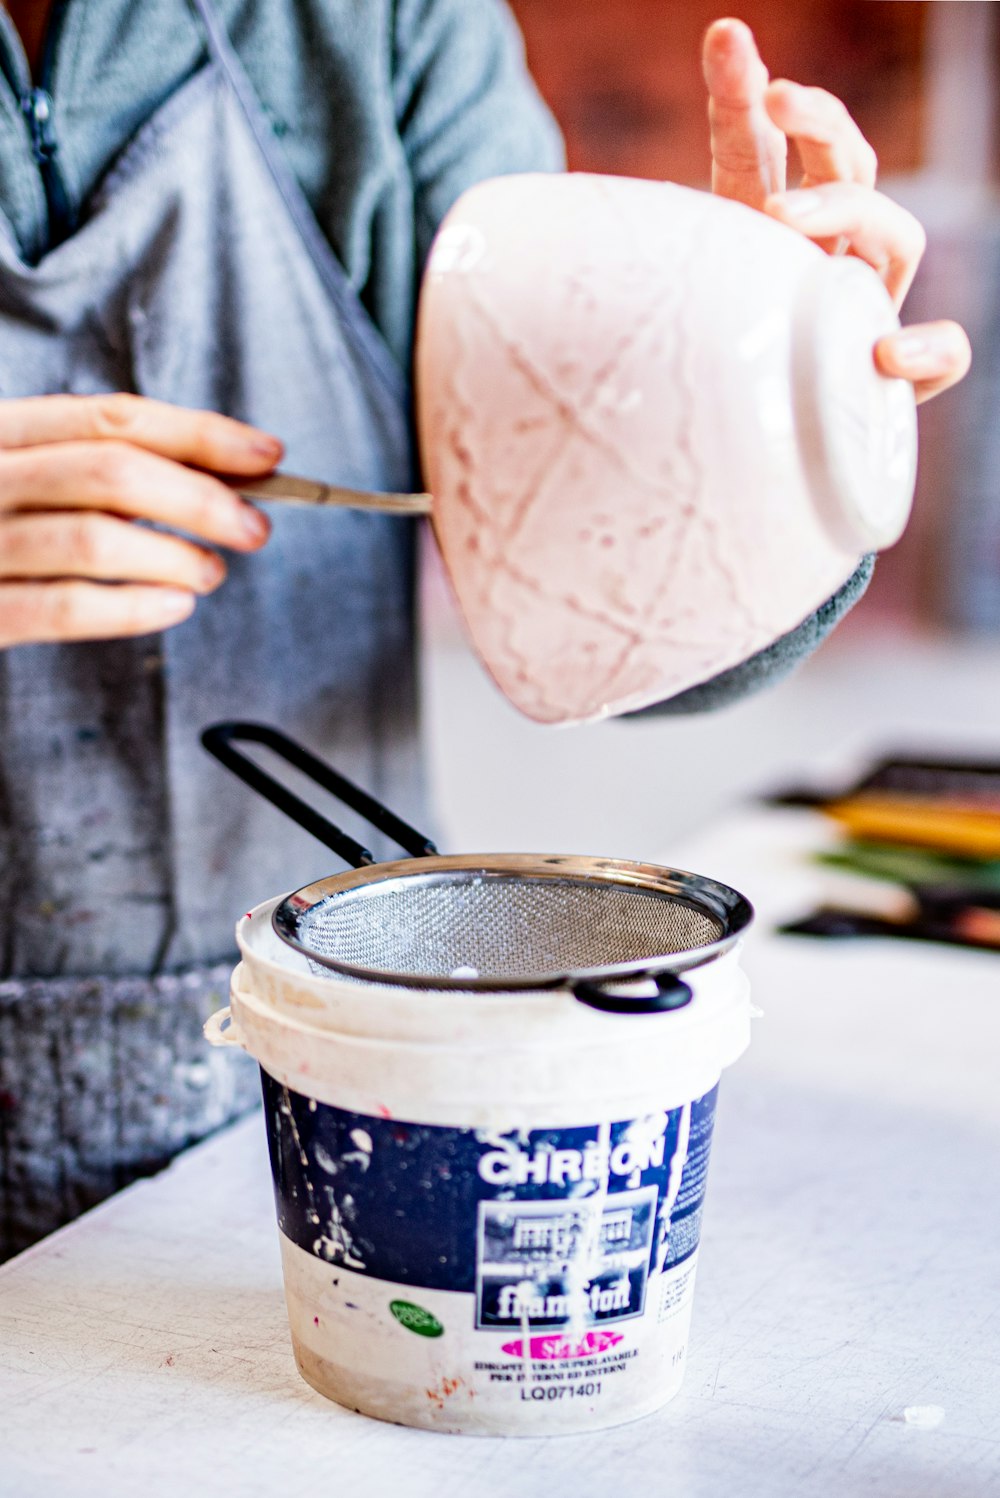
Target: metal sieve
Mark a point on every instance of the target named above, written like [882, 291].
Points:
[489, 922]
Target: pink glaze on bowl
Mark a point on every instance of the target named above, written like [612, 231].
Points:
[653, 430]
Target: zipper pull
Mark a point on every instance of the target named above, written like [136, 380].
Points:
[36, 106]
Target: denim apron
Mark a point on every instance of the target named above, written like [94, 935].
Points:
[199, 276]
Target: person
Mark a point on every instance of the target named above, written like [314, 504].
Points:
[214, 218]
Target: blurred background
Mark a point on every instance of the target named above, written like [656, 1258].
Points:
[918, 662]
[921, 80]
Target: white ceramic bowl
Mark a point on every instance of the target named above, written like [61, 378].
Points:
[654, 433]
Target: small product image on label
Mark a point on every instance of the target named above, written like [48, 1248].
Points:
[416, 1319]
[529, 1255]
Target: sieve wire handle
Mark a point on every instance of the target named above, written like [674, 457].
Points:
[220, 741]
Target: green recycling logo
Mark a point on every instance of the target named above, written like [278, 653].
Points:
[416, 1319]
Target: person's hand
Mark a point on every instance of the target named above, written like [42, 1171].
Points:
[76, 475]
[752, 121]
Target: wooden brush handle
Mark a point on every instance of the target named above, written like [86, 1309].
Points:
[287, 489]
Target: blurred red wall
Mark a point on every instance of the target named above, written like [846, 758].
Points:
[624, 79]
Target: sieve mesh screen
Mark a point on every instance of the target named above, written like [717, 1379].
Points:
[501, 927]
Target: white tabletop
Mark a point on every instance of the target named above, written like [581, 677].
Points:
[849, 1273]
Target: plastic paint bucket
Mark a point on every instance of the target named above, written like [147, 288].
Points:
[489, 1204]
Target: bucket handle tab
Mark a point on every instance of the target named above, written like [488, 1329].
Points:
[220, 1029]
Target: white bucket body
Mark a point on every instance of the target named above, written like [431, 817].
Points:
[489, 1204]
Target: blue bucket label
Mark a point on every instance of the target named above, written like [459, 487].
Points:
[502, 1217]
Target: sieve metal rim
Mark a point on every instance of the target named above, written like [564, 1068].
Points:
[697, 891]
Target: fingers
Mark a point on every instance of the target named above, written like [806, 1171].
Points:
[126, 480]
[71, 568]
[202, 438]
[933, 356]
[830, 145]
[90, 545]
[40, 613]
[749, 152]
[874, 228]
[752, 121]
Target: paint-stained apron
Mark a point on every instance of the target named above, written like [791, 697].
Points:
[200, 277]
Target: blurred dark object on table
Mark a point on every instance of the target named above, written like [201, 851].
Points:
[950, 920]
[929, 827]
[949, 805]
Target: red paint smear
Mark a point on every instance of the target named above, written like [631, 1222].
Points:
[445, 1389]
[545, 1348]
[383, 1110]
